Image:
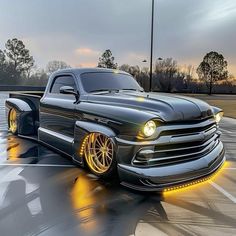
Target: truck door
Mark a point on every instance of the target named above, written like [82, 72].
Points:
[57, 115]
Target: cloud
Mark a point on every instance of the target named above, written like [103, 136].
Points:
[78, 31]
[87, 64]
[87, 52]
[87, 57]
[222, 10]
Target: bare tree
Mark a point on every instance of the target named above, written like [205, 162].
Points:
[212, 69]
[2, 66]
[134, 71]
[189, 75]
[125, 67]
[56, 65]
[144, 78]
[166, 70]
[39, 77]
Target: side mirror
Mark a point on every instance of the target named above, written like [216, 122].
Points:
[69, 90]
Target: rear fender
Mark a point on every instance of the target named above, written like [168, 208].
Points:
[25, 115]
[82, 129]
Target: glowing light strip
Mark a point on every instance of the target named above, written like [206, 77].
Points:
[81, 153]
[199, 181]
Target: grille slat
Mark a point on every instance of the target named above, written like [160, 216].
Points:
[181, 143]
[200, 152]
[184, 147]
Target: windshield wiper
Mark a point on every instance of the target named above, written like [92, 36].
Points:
[114, 90]
[139, 90]
[104, 90]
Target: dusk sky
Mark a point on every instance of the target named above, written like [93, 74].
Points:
[78, 31]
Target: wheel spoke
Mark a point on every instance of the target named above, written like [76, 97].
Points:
[99, 152]
[99, 142]
[109, 151]
[99, 155]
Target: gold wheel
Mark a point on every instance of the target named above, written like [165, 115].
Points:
[13, 121]
[99, 153]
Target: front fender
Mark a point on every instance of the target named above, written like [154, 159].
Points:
[90, 127]
[82, 129]
[216, 110]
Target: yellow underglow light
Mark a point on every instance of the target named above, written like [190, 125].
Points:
[81, 152]
[183, 187]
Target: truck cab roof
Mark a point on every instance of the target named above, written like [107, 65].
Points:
[78, 71]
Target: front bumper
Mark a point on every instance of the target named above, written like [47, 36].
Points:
[158, 178]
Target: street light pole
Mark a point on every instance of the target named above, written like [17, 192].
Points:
[151, 54]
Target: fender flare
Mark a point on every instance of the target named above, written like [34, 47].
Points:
[216, 110]
[19, 105]
[82, 129]
[90, 127]
[24, 115]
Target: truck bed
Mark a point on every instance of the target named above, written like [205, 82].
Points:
[31, 93]
[31, 97]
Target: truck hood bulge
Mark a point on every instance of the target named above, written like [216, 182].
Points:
[168, 107]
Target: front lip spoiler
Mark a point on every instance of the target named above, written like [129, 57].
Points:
[144, 182]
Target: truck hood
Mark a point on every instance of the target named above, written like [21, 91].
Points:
[168, 107]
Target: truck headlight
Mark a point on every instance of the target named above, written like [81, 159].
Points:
[149, 128]
[219, 116]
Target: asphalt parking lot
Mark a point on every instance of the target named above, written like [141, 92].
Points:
[43, 193]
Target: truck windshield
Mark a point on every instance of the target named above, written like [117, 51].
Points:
[102, 81]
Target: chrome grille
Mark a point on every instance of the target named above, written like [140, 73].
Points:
[181, 143]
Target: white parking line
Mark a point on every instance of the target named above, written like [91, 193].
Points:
[223, 191]
[37, 165]
[230, 168]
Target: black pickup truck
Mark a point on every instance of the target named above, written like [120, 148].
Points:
[103, 119]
